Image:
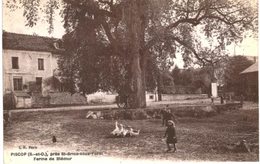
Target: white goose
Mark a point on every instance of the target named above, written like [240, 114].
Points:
[134, 132]
[116, 131]
[121, 130]
[125, 131]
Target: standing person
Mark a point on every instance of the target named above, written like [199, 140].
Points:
[167, 115]
[222, 99]
[171, 135]
[212, 99]
[242, 99]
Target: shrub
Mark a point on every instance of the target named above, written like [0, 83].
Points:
[9, 101]
[153, 113]
[140, 114]
[108, 115]
[128, 115]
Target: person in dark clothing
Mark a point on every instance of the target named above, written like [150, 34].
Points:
[212, 99]
[222, 99]
[242, 99]
[54, 139]
[171, 135]
[166, 116]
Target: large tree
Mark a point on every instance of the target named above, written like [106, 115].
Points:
[130, 29]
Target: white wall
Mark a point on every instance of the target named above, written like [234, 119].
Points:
[28, 67]
[106, 97]
[54, 61]
[214, 89]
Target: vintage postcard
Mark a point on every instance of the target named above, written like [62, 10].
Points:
[156, 81]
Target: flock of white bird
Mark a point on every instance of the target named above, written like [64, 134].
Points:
[124, 131]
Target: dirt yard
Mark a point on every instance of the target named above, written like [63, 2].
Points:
[198, 139]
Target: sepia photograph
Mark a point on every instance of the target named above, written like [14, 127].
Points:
[124, 81]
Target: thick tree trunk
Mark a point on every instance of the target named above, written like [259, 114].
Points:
[135, 37]
[137, 95]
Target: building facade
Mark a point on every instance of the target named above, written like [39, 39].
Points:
[29, 64]
[28, 70]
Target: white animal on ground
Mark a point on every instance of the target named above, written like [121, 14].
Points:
[121, 129]
[134, 132]
[116, 131]
[93, 115]
[124, 131]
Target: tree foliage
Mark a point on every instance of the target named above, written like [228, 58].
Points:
[233, 79]
[193, 78]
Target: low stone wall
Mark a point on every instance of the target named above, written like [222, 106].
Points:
[65, 98]
[229, 106]
[198, 111]
[194, 111]
[56, 99]
[172, 97]
[38, 101]
[103, 97]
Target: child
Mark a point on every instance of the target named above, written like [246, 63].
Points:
[171, 135]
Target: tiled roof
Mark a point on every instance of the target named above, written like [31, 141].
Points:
[252, 68]
[29, 42]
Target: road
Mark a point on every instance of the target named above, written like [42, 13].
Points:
[111, 106]
[149, 104]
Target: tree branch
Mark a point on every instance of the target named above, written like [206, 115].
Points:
[113, 42]
[183, 43]
[223, 20]
[105, 2]
[106, 28]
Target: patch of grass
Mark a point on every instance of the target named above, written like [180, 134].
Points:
[198, 138]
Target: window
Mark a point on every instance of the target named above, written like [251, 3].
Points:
[18, 84]
[39, 83]
[150, 96]
[40, 64]
[15, 64]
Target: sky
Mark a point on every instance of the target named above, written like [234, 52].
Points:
[15, 22]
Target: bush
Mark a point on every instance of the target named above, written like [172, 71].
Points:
[108, 116]
[182, 111]
[140, 114]
[154, 113]
[128, 115]
[198, 112]
[9, 101]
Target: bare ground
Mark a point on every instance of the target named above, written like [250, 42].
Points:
[198, 139]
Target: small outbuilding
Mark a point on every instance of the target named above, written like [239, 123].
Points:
[23, 100]
[250, 79]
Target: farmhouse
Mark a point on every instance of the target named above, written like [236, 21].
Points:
[30, 70]
[28, 62]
